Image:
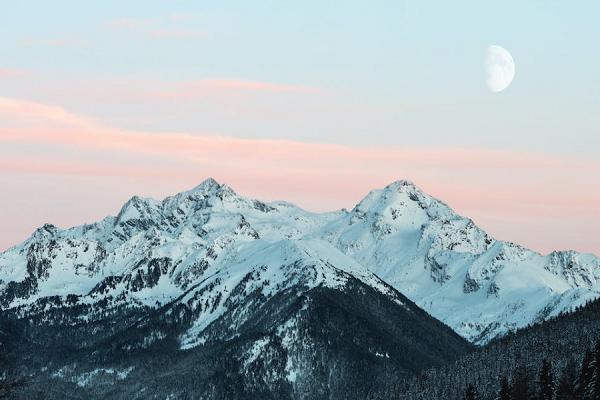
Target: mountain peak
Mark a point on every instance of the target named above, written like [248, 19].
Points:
[400, 183]
[400, 191]
[136, 208]
[207, 184]
[210, 186]
[411, 240]
[47, 230]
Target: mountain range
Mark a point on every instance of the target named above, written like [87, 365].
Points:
[239, 298]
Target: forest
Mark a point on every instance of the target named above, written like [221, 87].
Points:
[555, 359]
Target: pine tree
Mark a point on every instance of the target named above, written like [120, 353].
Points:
[521, 384]
[504, 389]
[8, 384]
[565, 390]
[594, 384]
[585, 376]
[471, 392]
[545, 382]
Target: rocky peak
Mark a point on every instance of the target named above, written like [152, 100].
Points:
[137, 208]
[45, 232]
[403, 201]
[210, 187]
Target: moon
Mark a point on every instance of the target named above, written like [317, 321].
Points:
[499, 68]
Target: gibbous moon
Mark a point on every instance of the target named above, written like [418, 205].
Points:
[499, 68]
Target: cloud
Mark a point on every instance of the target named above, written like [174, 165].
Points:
[203, 87]
[10, 73]
[19, 110]
[140, 91]
[236, 84]
[494, 186]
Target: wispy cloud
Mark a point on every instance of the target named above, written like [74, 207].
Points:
[20, 110]
[203, 87]
[236, 84]
[494, 186]
[10, 73]
[136, 90]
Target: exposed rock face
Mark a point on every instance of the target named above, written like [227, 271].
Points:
[195, 272]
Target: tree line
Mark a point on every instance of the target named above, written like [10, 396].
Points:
[8, 381]
[572, 382]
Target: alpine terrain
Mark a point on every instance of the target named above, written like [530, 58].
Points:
[207, 294]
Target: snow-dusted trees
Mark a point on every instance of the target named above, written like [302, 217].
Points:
[505, 389]
[566, 389]
[471, 393]
[546, 382]
[8, 383]
[521, 385]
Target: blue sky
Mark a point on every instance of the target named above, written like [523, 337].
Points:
[398, 63]
[385, 74]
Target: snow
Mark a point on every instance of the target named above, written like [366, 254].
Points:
[396, 237]
[87, 378]
[255, 351]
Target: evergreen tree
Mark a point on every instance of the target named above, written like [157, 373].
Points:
[545, 382]
[8, 384]
[585, 376]
[471, 392]
[521, 384]
[505, 389]
[565, 390]
[594, 384]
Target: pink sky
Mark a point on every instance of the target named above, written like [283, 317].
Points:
[64, 168]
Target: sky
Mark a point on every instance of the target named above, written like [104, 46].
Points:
[312, 102]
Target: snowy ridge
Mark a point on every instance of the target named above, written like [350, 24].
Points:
[209, 247]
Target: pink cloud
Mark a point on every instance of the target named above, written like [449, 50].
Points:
[155, 90]
[509, 192]
[10, 73]
[236, 84]
[26, 110]
[204, 87]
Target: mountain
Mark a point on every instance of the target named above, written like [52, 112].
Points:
[298, 329]
[153, 251]
[208, 273]
[211, 294]
[479, 286]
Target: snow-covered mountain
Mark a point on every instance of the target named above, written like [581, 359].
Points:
[200, 244]
[207, 291]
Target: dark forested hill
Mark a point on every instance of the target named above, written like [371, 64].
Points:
[317, 343]
[562, 342]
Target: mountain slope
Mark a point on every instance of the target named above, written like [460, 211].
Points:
[154, 251]
[291, 319]
[479, 286]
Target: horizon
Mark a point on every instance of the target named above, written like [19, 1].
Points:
[275, 200]
[312, 103]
